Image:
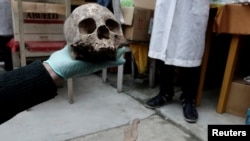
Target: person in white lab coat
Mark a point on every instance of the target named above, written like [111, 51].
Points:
[178, 40]
[6, 32]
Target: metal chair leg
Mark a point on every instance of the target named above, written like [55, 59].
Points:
[70, 91]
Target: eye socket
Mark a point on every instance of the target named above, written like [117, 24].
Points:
[87, 26]
[112, 25]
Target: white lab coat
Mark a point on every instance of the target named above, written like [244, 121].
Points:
[178, 35]
[6, 28]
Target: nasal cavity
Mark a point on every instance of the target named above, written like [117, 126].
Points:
[103, 32]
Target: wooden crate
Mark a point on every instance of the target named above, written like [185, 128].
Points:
[77, 2]
[44, 1]
[40, 24]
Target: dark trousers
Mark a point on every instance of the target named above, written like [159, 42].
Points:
[189, 80]
[5, 53]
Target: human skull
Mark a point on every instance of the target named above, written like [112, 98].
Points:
[93, 33]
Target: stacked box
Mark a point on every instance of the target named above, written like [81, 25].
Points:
[239, 99]
[138, 20]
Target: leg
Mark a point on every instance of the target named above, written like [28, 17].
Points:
[166, 79]
[152, 73]
[166, 86]
[189, 83]
[7, 58]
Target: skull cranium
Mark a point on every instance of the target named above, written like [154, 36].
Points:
[93, 33]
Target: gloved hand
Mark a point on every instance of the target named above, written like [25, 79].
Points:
[62, 63]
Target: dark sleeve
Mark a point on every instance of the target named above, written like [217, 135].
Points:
[24, 88]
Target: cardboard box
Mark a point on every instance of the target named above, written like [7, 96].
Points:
[137, 20]
[248, 117]
[239, 99]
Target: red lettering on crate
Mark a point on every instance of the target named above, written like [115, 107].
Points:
[43, 18]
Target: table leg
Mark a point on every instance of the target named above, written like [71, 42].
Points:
[104, 75]
[70, 90]
[228, 74]
[120, 78]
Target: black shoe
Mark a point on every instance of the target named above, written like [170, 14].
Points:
[157, 101]
[189, 110]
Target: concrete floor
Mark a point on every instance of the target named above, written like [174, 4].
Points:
[101, 114]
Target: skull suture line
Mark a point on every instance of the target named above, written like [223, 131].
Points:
[93, 33]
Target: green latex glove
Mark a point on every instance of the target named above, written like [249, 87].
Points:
[62, 63]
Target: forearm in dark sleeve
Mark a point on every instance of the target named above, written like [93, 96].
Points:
[24, 88]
